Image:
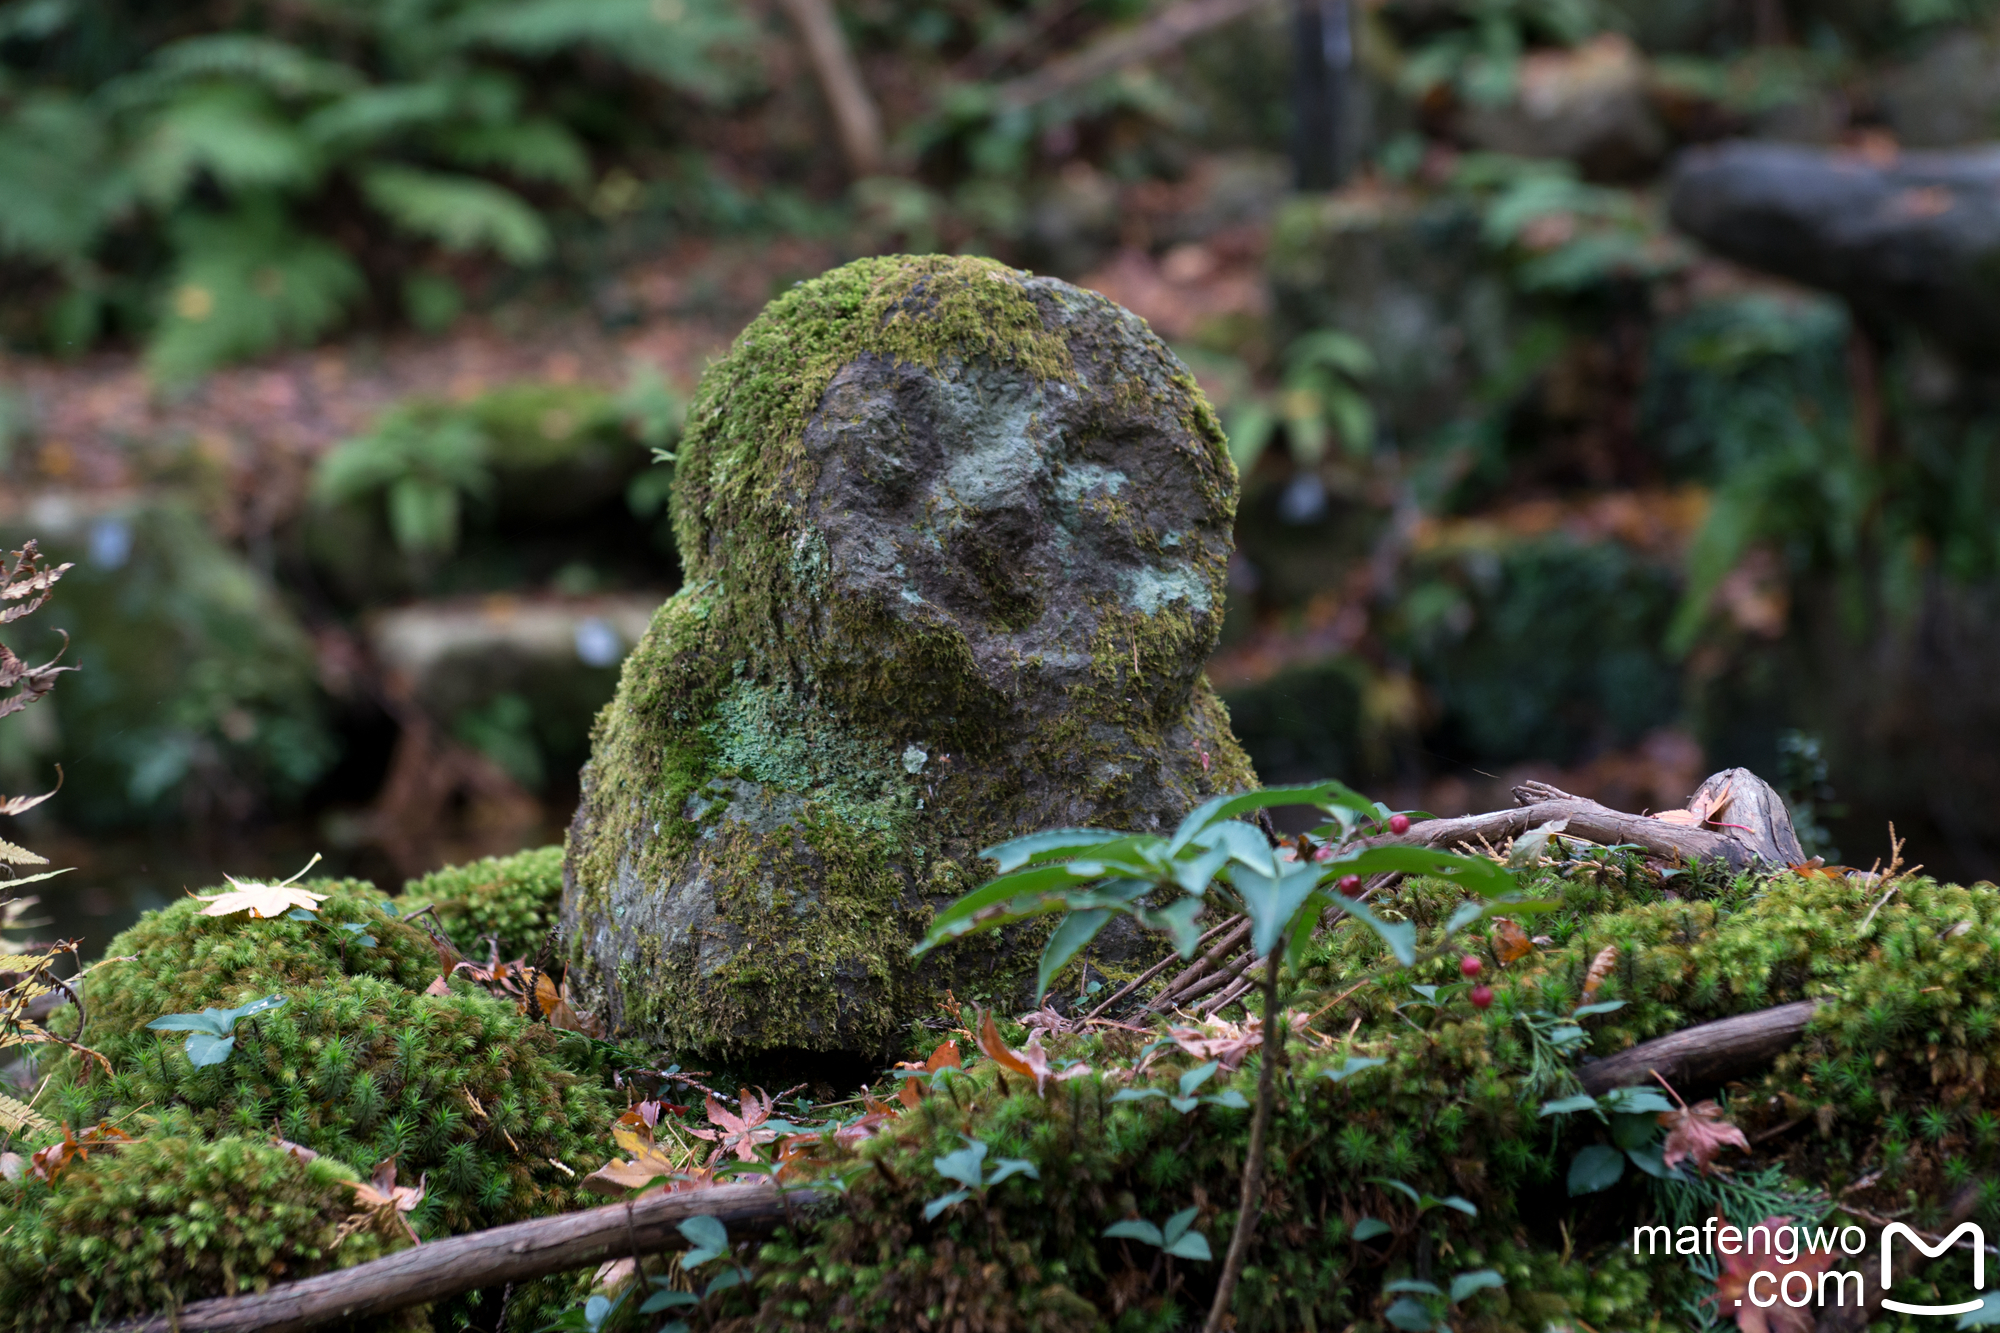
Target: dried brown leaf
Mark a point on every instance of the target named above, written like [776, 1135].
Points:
[1600, 968]
[1697, 1133]
[1732, 1286]
[1510, 942]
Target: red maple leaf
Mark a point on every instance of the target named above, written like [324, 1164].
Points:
[1698, 1132]
[1734, 1297]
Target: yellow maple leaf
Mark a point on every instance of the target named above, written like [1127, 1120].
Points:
[263, 900]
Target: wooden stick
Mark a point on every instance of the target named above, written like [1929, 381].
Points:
[1159, 967]
[1707, 1054]
[515, 1253]
[1752, 827]
[1131, 46]
[854, 115]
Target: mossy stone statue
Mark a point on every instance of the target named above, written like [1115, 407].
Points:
[954, 539]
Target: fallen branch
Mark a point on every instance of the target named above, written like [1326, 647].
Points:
[514, 1253]
[1155, 37]
[1735, 816]
[1704, 1055]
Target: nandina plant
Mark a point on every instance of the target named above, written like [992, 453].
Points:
[1214, 860]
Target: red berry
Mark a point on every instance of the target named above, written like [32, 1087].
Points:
[1481, 997]
[1471, 966]
[1349, 886]
[1399, 824]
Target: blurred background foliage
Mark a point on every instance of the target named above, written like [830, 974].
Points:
[345, 338]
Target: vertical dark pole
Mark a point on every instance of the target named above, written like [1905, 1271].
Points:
[1324, 45]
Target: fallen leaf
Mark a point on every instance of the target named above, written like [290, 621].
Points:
[13, 1167]
[944, 1057]
[437, 987]
[1732, 1286]
[1698, 1133]
[298, 1150]
[263, 901]
[51, 1161]
[1600, 968]
[738, 1132]
[1228, 1044]
[382, 1203]
[1510, 942]
[1031, 1061]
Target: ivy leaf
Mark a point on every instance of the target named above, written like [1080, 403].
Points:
[1410, 1315]
[1479, 1279]
[1353, 1065]
[1699, 1133]
[1368, 1228]
[1595, 1169]
[944, 1201]
[1413, 1284]
[205, 1049]
[1136, 1229]
[707, 1239]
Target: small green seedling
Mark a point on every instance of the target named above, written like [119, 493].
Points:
[211, 1035]
[1187, 1101]
[967, 1167]
[1174, 1237]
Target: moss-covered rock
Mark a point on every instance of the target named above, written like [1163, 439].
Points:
[513, 898]
[360, 1063]
[167, 1219]
[955, 540]
[1883, 1106]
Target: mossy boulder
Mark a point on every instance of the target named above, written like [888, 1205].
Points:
[955, 540]
[360, 1063]
[1882, 1106]
[512, 898]
[170, 1218]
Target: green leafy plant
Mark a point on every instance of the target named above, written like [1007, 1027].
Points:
[967, 1167]
[235, 146]
[1176, 1236]
[1321, 394]
[212, 1032]
[1213, 859]
[708, 1240]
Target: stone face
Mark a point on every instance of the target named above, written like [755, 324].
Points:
[1915, 239]
[955, 540]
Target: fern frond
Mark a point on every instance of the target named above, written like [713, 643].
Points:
[19, 856]
[17, 1117]
[458, 212]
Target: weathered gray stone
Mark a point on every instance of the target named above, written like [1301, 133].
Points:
[1916, 239]
[955, 541]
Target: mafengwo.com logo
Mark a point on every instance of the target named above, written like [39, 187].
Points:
[1780, 1263]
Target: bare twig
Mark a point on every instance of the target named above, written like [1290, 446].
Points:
[1253, 1164]
[1154, 38]
[854, 115]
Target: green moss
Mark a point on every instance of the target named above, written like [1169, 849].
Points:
[168, 1219]
[360, 1063]
[1904, 1053]
[793, 774]
[511, 897]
